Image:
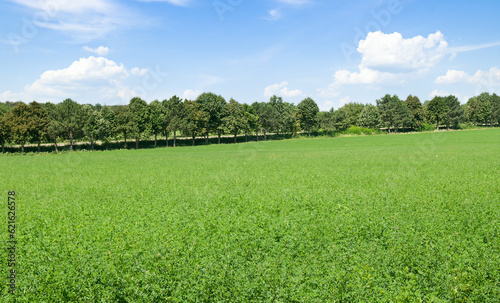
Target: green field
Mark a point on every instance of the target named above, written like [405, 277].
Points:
[412, 217]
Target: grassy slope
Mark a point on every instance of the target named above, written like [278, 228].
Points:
[374, 218]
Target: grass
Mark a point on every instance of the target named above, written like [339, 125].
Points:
[411, 217]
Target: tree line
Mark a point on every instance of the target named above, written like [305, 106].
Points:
[211, 115]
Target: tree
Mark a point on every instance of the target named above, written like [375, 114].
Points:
[138, 111]
[308, 114]
[175, 115]
[437, 110]
[197, 120]
[479, 109]
[107, 125]
[234, 118]
[453, 111]
[156, 119]
[18, 120]
[341, 119]
[281, 115]
[69, 116]
[326, 121]
[495, 109]
[265, 115]
[38, 123]
[123, 123]
[91, 120]
[417, 111]
[369, 117]
[393, 112]
[252, 121]
[5, 132]
[54, 128]
[353, 111]
[402, 116]
[213, 105]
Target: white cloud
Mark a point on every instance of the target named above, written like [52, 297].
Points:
[273, 15]
[294, 2]
[96, 79]
[390, 58]
[486, 78]
[393, 53]
[326, 106]
[332, 91]
[364, 76]
[191, 94]
[452, 76]
[344, 101]
[139, 71]
[101, 50]
[81, 20]
[174, 2]
[282, 90]
[440, 93]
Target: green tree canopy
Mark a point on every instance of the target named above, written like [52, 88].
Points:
[139, 118]
[369, 117]
[69, 115]
[234, 118]
[308, 114]
[213, 105]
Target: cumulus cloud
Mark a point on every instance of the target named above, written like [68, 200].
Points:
[452, 76]
[281, 89]
[191, 94]
[139, 71]
[96, 78]
[390, 58]
[393, 53]
[101, 50]
[486, 78]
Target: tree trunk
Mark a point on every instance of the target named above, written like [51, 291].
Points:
[206, 139]
[218, 141]
[3, 147]
[92, 144]
[55, 145]
[22, 148]
[193, 140]
[257, 136]
[309, 131]
[246, 137]
[175, 136]
[107, 145]
[38, 146]
[136, 143]
[125, 137]
[71, 140]
[156, 135]
[265, 137]
[235, 138]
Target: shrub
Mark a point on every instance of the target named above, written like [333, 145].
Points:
[425, 127]
[356, 130]
[467, 125]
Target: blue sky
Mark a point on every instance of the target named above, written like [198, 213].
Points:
[105, 51]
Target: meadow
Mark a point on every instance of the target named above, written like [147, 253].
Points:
[401, 218]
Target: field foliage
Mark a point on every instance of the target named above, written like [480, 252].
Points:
[373, 218]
